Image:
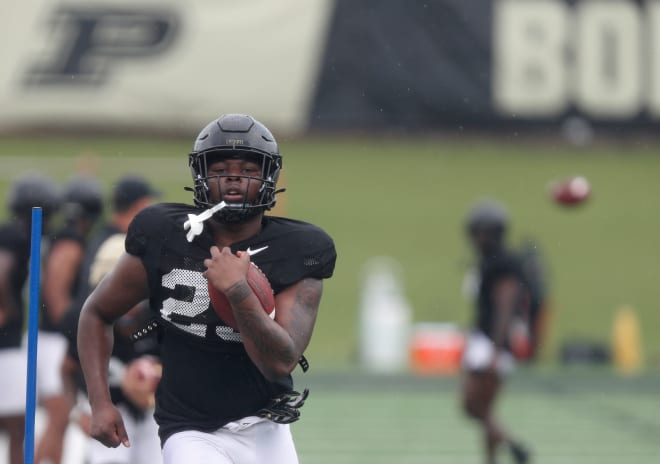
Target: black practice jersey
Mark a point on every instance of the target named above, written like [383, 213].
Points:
[16, 241]
[493, 268]
[67, 233]
[208, 378]
[69, 325]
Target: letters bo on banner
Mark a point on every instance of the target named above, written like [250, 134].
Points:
[597, 56]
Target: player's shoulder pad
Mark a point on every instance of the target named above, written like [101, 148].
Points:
[303, 249]
[313, 235]
[155, 223]
[295, 234]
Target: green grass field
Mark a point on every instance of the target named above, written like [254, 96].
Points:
[406, 197]
[565, 419]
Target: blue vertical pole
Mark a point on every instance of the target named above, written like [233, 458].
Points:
[33, 326]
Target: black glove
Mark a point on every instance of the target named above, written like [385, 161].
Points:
[284, 408]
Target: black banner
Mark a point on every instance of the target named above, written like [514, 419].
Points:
[490, 63]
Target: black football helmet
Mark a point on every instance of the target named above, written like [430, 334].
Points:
[83, 198]
[32, 190]
[487, 222]
[487, 214]
[236, 136]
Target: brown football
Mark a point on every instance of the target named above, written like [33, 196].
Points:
[259, 284]
[571, 191]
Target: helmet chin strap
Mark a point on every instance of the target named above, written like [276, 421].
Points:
[195, 223]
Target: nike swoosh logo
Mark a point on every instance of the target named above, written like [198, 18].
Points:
[254, 252]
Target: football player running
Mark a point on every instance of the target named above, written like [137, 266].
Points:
[225, 396]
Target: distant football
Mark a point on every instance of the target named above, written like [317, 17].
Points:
[259, 284]
[571, 191]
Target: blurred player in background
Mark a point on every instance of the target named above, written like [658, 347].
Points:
[134, 369]
[28, 191]
[502, 296]
[225, 396]
[82, 206]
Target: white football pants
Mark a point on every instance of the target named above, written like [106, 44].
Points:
[248, 441]
[51, 351]
[13, 381]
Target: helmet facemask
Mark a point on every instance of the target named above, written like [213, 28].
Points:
[235, 212]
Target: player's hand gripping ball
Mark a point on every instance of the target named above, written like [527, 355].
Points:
[571, 191]
[259, 284]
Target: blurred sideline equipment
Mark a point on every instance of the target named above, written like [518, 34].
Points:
[627, 342]
[385, 317]
[436, 348]
[585, 352]
[571, 191]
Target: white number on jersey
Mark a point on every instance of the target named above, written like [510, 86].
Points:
[200, 302]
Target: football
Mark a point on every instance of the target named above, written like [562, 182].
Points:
[259, 284]
[571, 191]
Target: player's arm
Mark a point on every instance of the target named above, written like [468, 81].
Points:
[7, 302]
[61, 271]
[119, 291]
[506, 294]
[275, 346]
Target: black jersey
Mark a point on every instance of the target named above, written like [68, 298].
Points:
[46, 323]
[15, 240]
[208, 378]
[503, 264]
[69, 324]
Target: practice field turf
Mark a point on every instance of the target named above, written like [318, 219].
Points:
[565, 419]
[401, 420]
[568, 417]
[407, 197]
